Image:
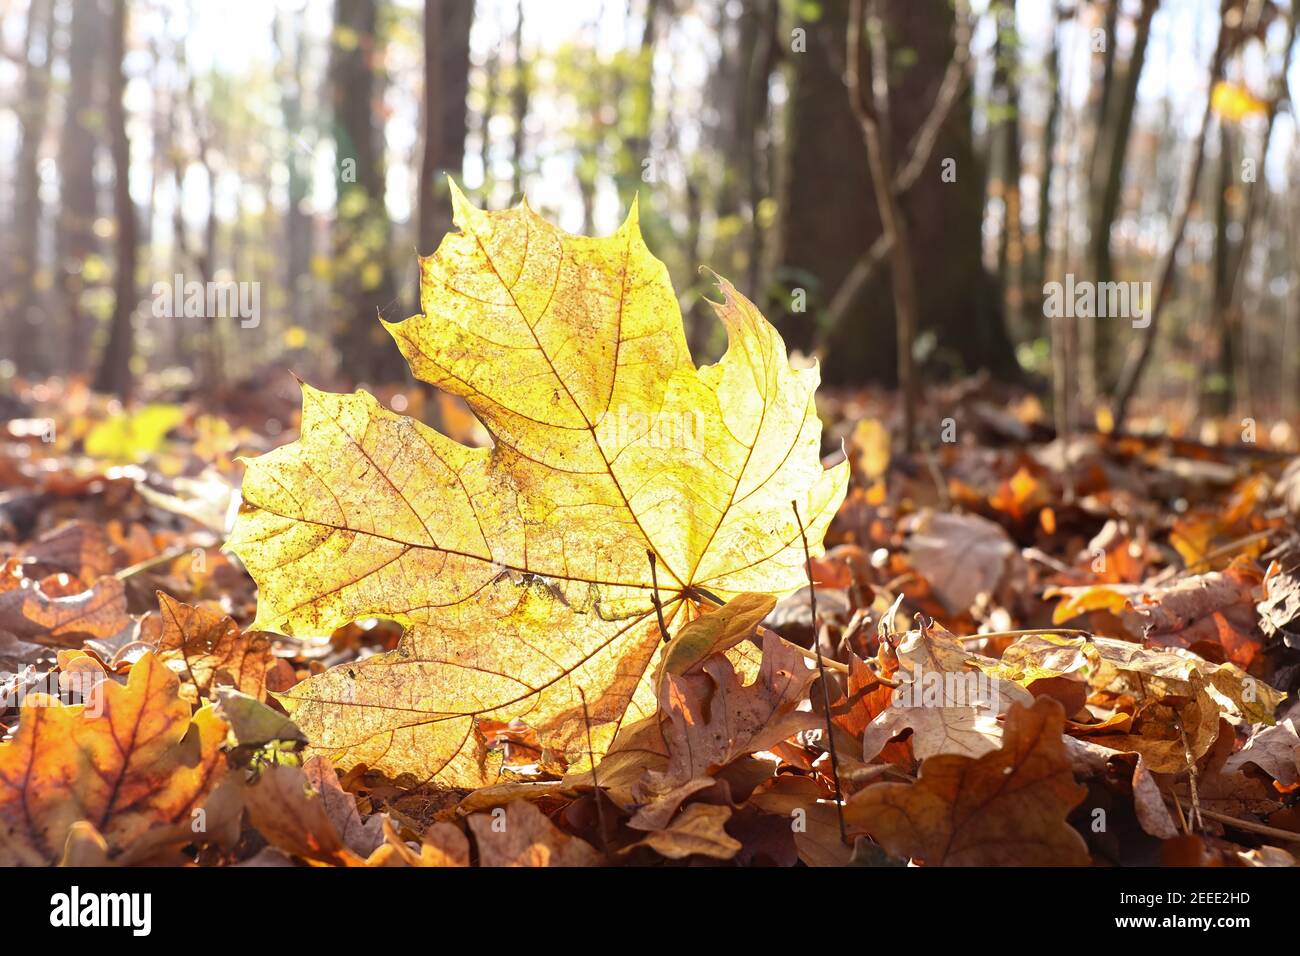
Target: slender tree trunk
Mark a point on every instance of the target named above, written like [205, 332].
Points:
[1217, 388]
[1115, 140]
[1051, 128]
[364, 284]
[519, 108]
[23, 302]
[291, 48]
[639, 106]
[874, 117]
[1140, 352]
[77, 197]
[114, 374]
[1006, 83]
[446, 83]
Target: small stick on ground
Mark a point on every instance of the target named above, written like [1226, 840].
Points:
[659, 608]
[821, 671]
[1070, 631]
[1197, 820]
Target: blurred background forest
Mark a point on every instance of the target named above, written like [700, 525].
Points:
[301, 148]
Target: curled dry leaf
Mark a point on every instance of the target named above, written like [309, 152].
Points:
[945, 699]
[1217, 608]
[609, 443]
[305, 813]
[1275, 750]
[699, 830]
[713, 719]
[519, 834]
[208, 650]
[962, 556]
[129, 760]
[1178, 695]
[1006, 808]
[33, 615]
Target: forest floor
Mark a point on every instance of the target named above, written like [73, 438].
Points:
[1149, 586]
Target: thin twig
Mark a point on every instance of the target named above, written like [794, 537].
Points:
[659, 608]
[1248, 825]
[150, 563]
[821, 671]
[1191, 774]
[1072, 631]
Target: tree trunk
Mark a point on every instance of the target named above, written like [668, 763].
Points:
[446, 83]
[77, 197]
[290, 46]
[1109, 163]
[519, 108]
[115, 367]
[22, 302]
[826, 172]
[364, 283]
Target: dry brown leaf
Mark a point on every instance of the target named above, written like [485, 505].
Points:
[31, 614]
[961, 555]
[812, 818]
[1275, 750]
[129, 760]
[519, 834]
[1006, 808]
[945, 699]
[207, 650]
[699, 830]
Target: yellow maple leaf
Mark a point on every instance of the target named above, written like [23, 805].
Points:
[522, 572]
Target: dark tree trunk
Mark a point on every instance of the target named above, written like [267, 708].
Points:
[77, 197]
[519, 107]
[1109, 172]
[446, 83]
[364, 285]
[826, 173]
[115, 366]
[291, 48]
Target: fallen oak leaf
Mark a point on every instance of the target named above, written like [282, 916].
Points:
[700, 829]
[944, 697]
[34, 616]
[1279, 610]
[208, 650]
[1218, 607]
[713, 719]
[1007, 807]
[129, 760]
[519, 834]
[283, 806]
[572, 352]
[961, 555]
[1275, 750]
[813, 818]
